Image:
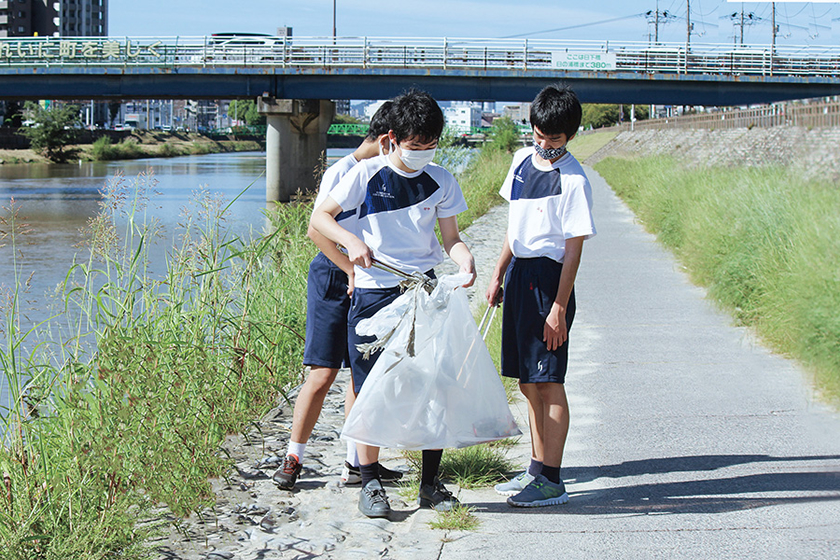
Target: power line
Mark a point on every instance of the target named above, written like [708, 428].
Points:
[590, 24]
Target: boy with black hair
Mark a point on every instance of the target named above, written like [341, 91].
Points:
[550, 217]
[399, 198]
[328, 288]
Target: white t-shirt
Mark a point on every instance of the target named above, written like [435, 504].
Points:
[397, 213]
[547, 205]
[330, 179]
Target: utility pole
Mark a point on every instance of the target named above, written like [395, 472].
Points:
[333, 21]
[742, 24]
[656, 25]
[687, 23]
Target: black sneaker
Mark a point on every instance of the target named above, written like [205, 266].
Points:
[387, 475]
[286, 476]
[351, 475]
[437, 497]
[372, 500]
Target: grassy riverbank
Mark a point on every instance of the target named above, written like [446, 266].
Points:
[140, 144]
[765, 242]
[120, 402]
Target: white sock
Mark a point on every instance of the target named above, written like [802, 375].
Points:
[297, 450]
[352, 454]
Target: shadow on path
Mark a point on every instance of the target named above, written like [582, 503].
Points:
[781, 485]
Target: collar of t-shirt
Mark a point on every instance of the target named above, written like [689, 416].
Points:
[555, 165]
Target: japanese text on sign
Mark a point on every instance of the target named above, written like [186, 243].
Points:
[61, 50]
[597, 61]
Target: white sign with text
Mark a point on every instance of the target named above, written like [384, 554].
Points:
[576, 60]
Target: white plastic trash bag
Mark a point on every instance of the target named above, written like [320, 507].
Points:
[434, 384]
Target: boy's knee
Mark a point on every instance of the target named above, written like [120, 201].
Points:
[321, 379]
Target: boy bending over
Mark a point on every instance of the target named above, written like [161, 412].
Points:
[399, 198]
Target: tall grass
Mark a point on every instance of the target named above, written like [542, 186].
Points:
[765, 243]
[122, 403]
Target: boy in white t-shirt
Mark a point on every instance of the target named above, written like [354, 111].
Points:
[328, 287]
[399, 199]
[550, 216]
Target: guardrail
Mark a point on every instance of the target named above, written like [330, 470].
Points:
[444, 53]
[811, 115]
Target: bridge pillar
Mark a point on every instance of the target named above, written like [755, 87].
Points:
[295, 137]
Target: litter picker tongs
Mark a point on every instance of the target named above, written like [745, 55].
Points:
[484, 325]
[415, 277]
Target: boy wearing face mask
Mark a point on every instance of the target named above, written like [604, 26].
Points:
[328, 288]
[550, 216]
[399, 199]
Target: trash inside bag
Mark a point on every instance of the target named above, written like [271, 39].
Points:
[434, 384]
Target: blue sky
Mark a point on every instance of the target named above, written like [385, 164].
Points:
[614, 20]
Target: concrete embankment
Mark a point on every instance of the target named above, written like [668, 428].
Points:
[815, 152]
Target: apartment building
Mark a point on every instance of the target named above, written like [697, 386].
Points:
[53, 18]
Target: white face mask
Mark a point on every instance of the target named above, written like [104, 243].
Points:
[417, 159]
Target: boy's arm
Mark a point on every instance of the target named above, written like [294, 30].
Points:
[455, 248]
[494, 289]
[323, 221]
[332, 252]
[554, 331]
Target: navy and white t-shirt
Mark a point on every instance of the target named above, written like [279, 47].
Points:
[548, 204]
[397, 213]
[329, 180]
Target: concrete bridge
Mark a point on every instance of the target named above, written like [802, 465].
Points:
[292, 77]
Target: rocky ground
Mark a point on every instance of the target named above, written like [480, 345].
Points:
[253, 519]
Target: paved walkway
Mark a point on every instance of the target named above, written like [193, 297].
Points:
[688, 440]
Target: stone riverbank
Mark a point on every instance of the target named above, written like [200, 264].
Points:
[254, 519]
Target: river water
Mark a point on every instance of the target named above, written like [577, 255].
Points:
[56, 201]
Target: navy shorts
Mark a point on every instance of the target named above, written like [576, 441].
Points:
[365, 303]
[327, 304]
[530, 288]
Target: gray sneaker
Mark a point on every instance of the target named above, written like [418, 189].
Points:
[541, 492]
[372, 500]
[515, 485]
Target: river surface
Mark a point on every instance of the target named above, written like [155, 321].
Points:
[56, 201]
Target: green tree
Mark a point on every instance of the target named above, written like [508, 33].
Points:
[342, 118]
[245, 109]
[599, 115]
[52, 130]
[504, 136]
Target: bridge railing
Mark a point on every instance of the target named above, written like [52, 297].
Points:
[418, 53]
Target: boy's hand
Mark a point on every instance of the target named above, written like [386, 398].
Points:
[494, 294]
[468, 266]
[554, 331]
[359, 253]
[351, 284]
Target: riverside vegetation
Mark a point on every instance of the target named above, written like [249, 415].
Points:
[764, 241]
[120, 401]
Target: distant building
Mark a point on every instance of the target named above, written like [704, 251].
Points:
[519, 113]
[51, 18]
[372, 108]
[342, 106]
[462, 118]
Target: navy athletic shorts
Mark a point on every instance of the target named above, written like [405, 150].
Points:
[365, 303]
[530, 288]
[327, 304]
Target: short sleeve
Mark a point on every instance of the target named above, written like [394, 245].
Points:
[349, 193]
[507, 186]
